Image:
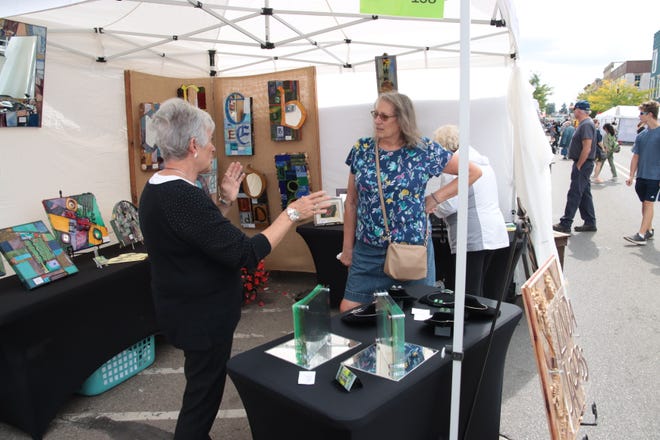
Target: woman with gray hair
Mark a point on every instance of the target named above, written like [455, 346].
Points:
[196, 255]
[486, 230]
[407, 161]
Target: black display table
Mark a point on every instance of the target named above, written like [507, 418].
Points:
[417, 407]
[54, 337]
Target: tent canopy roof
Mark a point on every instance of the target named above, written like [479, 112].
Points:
[252, 36]
[621, 111]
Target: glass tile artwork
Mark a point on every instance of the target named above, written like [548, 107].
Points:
[292, 177]
[286, 113]
[76, 221]
[34, 254]
[125, 222]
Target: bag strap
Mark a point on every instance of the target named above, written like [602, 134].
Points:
[382, 202]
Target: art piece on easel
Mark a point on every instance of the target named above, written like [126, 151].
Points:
[125, 222]
[34, 254]
[150, 158]
[253, 200]
[292, 176]
[562, 367]
[287, 114]
[239, 136]
[76, 221]
[386, 73]
[195, 95]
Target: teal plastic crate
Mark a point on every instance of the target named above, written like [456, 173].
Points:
[126, 364]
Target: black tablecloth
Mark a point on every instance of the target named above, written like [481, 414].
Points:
[52, 338]
[417, 407]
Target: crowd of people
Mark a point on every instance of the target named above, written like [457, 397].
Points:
[589, 147]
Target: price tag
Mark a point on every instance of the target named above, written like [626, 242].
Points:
[404, 8]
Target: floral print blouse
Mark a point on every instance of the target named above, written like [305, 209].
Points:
[404, 174]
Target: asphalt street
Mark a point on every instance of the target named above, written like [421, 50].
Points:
[613, 287]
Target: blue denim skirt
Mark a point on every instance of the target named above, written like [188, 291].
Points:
[366, 276]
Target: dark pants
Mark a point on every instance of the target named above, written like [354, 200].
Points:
[476, 267]
[579, 196]
[205, 373]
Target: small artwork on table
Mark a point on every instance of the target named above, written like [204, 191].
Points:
[239, 137]
[125, 222]
[34, 254]
[77, 221]
[292, 176]
[287, 113]
[150, 158]
[334, 214]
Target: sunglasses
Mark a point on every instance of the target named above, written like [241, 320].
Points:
[383, 116]
[643, 113]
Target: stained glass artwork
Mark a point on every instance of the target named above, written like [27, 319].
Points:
[239, 137]
[386, 73]
[195, 95]
[292, 176]
[34, 254]
[286, 112]
[150, 158]
[209, 181]
[76, 221]
[125, 222]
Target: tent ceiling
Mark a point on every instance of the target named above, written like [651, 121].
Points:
[264, 35]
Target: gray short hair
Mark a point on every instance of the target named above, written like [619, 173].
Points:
[447, 136]
[176, 122]
[405, 112]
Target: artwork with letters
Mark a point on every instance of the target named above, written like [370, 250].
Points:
[150, 158]
[239, 137]
[286, 113]
[562, 367]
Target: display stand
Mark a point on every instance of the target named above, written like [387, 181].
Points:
[390, 356]
[313, 344]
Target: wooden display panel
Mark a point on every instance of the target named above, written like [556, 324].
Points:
[292, 254]
[562, 367]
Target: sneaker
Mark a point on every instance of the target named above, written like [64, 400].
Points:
[586, 228]
[561, 228]
[649, 234]
[635, 239]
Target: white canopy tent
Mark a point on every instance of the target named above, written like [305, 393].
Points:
[625, 119]
[90, 43]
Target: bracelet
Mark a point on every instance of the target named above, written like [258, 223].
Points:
[436, 200]
[226, 202]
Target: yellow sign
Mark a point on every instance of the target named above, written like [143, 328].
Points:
[404, 8]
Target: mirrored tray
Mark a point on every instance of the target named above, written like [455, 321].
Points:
[335, 346]
[369, 361]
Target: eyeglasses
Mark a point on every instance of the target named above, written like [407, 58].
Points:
[643, 113]
[383, 117]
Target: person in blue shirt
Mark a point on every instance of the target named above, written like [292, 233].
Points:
[407, 161]
[645, 169]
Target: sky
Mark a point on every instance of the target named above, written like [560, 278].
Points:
[568, 43]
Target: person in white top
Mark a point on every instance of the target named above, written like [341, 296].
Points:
[486, 229]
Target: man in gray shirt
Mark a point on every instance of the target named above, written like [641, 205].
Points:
[582, 151]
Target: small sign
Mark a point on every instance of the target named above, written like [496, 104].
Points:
[346, 378]
[404, 8]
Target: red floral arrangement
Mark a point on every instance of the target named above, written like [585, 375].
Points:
[254, 283]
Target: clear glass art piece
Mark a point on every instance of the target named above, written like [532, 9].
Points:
[313, 343]
[390, 356]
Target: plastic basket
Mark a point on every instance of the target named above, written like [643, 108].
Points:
[126, 364]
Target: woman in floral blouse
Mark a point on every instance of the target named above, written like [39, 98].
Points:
[407, 161]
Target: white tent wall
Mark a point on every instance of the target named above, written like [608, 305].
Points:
[625, 118]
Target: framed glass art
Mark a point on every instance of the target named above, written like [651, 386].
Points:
[77, 221]
[34, 254]
[239, 137]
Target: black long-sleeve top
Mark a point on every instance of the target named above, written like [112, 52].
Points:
[195, 255]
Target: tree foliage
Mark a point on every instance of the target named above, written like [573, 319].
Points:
[609, 94]
[541, 91]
